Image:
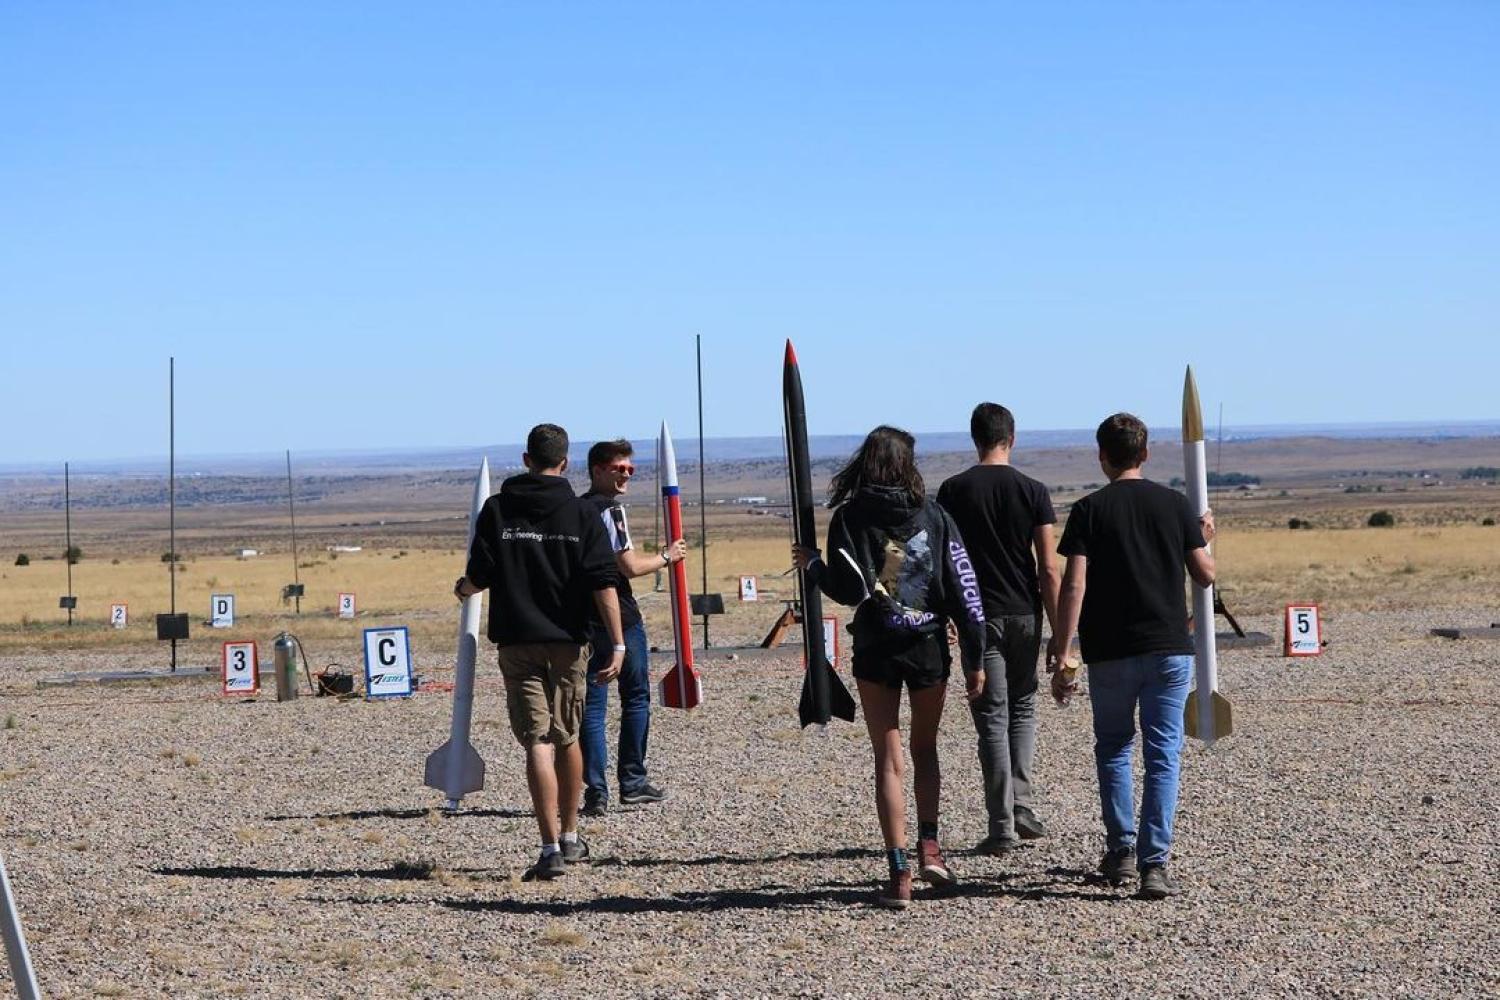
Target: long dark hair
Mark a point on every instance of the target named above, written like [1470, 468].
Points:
[887, 457]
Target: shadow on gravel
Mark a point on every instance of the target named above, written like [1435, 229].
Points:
[397, 872]
[770, 897]
[411, 814]
[842, 854]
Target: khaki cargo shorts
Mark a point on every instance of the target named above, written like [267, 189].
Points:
[545, 685]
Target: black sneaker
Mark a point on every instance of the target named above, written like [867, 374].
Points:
[1028, 827]
[575, 851]
[549, 866]
[645, 792]
[1118, 866]
[1156, 883]
[595, 804]
[996, 846]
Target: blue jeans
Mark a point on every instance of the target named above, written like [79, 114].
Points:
[635, 715]
[1159, 684]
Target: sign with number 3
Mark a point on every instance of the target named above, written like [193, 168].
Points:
[1304, 631]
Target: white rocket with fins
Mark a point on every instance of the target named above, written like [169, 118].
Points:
[1207, 714]
[455, 768]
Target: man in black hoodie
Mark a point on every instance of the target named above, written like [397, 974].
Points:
[547, 562]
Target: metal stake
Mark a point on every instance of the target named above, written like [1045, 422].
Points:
[68, 551]
[702, 495]
[292, 509]
[15, 941]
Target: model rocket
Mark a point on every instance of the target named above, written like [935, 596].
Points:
[681, 687]
[455, 768]
[823, 694]
[1207, 712]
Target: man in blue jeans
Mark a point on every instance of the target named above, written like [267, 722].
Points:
[610, 472]
[1127, 547]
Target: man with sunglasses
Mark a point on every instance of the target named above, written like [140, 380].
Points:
[610, 472]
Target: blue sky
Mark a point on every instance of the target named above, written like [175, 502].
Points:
[371, 225]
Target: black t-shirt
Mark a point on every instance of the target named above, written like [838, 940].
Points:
[997, 509]
[612, 512]
[1136, 535]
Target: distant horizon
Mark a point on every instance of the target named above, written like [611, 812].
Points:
[753, 447]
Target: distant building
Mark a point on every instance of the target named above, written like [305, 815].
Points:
[345, 548]
[248, 553]
[757, 501]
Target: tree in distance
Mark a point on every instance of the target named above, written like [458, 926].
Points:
[1298, 522]
[73, 554]
[1488, 522]
[23, 560]
[170, 557]
[1381, 519]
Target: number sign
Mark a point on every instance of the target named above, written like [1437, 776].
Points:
[346, 605]
[749, 590]
[1304, 631]
[119, 615]
[241, 668]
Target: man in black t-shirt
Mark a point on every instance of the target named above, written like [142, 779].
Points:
[1005, 518]
[610, 472]
[1127, 546]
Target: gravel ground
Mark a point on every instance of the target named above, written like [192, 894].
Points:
[165, 842]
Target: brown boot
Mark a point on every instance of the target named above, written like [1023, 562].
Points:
[896, 895]
[931, 866]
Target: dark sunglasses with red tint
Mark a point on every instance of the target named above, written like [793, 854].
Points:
[622, 469]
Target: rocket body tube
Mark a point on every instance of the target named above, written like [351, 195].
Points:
[455, 768]
[681, 687]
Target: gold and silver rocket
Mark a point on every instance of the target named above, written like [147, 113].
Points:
[1207, 714]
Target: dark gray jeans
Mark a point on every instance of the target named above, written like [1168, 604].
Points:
[1005, 718]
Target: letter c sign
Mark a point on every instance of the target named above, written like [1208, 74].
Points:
[388, 666]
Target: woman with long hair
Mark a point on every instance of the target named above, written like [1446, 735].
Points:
[897, 558]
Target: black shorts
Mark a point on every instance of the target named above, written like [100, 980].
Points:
[922, 662]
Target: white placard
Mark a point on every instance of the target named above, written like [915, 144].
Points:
[1304, 631]
[221, 611]
[831, 639]
[346, 605]
[387, 662]
[749, 589]
[241, 668]
[119, 615]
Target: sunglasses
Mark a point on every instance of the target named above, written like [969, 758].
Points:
[623, 469]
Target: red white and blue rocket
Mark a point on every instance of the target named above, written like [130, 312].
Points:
[681, 687]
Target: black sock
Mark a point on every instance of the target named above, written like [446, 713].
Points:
[897, 858]
[927, 831]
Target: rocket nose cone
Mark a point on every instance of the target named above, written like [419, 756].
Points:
[791, 353]
[1192, 410]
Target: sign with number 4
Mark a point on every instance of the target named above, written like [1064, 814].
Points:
[749, 590]
[1304, 631]
[241, 668]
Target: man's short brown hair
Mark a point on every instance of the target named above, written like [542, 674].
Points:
[604, 452]
[547, 444]
[1122, 438]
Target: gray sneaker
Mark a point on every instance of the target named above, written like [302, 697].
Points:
[575, 851]
[1028, 827]
[645, 792]
[1118, 866]
[595, 804]
[549, 866]
[996, 846]
[1156, 883]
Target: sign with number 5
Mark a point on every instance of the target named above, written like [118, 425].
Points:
[1304, 631]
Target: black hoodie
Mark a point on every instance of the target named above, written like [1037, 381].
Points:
[914, 550]
[542, 553]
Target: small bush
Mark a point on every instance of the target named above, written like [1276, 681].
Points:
[73, 554]
[1381, 519]
[23, 560]
[1488, 522]
[1296, 523]
[171, 557]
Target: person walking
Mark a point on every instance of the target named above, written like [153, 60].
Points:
[1006, 518]
[610, 474]
[898, 559]
[1127, 547]
[544, 555]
